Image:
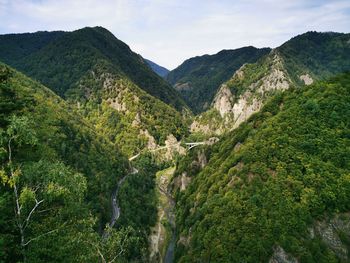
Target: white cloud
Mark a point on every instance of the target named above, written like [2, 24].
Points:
[169, 32]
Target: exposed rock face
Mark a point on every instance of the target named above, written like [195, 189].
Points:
[240, 72]
[117, 104]
[173, 147]
[151, 144]
[185, 181]
[108, 80]
[212, 128]
[181, 182]
[234, 113]
[329, 233]
[281, 256]
[223, 101]
[202, 159]
[235, 109]
[137, 121]
[196, 126]
[243, 109]
[183, 86]
[307, 79]
[276, 79]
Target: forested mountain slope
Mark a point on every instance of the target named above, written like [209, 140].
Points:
[57, 175]
[198, 79]
[60, 59]
[111, 86]
[276, 188]
[300, 61]
[161, 71]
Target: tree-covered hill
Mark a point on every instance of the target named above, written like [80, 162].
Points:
[124, 113]
[198, 78]
[276, 187]
[60, 59]
[300, 61]
[111, 86]
[56, 178]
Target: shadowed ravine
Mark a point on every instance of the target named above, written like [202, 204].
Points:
[169, 256]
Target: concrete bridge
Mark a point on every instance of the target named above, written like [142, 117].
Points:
[189, 146]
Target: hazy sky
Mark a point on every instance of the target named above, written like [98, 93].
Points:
[170, 31]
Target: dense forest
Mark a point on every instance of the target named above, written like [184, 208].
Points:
[270, 180]
[57, 175]
[60, 59]
[240, 156]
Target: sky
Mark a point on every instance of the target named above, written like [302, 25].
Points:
[170, 31]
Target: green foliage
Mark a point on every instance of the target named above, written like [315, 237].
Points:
[312, 56]
[89, 67]
[267, 181]
[320, 54]
[206, 73]
[138, 202]
[140, 112]
[59, 163]
[60, 59]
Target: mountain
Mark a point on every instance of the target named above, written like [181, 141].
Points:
[126, 114]
[161, 71]
[300, 61]
[111, 86]
[276, 189]
[63, 172]
[60, 59]
[198, 79]
[58, 168]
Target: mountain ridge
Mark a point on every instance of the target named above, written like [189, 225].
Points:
[300, 61]
[259, 194]
[81, 49]
[198, 78]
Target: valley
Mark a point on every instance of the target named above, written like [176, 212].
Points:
[240, 156]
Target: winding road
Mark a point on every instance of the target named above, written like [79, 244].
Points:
[114, 202]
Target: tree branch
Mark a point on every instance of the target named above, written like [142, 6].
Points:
[37, 203]
[45, 234]
[121, 251]
[9, 149]
[18, 212]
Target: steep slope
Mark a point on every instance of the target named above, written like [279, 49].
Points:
[161, 71]
[60, 59]
[62, 135]
[61, 173]
[109, 84]
[276, 189]
[198, 78]
[124, 113]
[300, 61]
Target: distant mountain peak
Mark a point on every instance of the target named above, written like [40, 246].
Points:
[161, 71]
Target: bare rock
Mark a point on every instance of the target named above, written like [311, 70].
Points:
[307, 79]
[137, 121]
[151, 144]
[281, 256]
[183, 86]
[185, 181]
[328, 231]
[223, 100]
[117, 104]
[173, 146]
